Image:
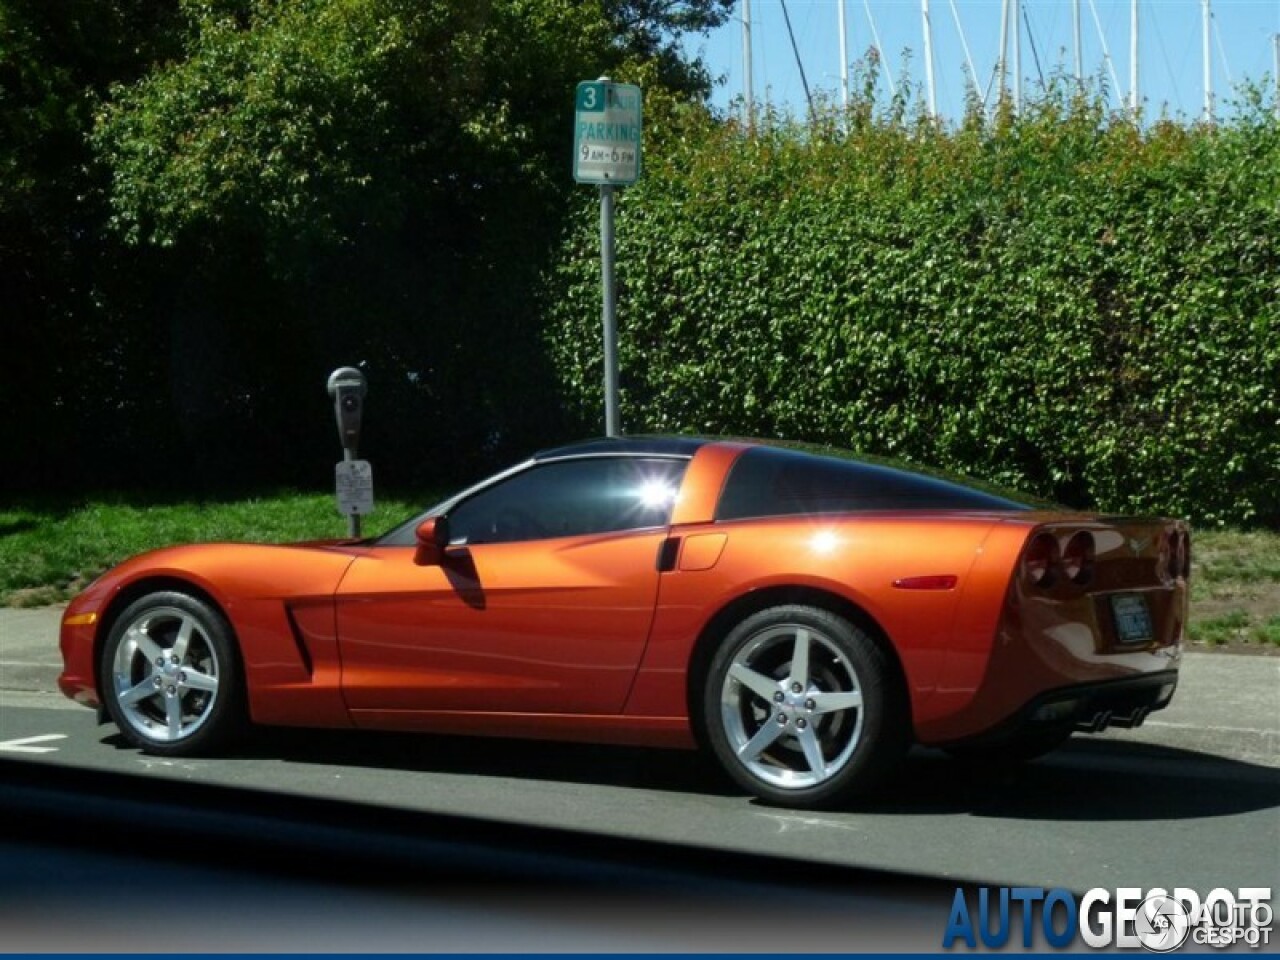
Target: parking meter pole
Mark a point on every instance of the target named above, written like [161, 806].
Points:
[612, 426]
[353, 519]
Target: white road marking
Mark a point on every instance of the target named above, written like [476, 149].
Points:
[788, 822]
[152, 762]
[37, 700]
[27, 744]
[1209, 726]
[29, 663]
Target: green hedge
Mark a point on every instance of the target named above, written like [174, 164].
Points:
[1061, 303]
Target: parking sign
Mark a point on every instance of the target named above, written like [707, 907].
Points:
[606, 133]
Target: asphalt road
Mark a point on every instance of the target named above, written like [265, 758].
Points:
[1192, 799]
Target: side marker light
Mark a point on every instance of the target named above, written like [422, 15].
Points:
[936, 582]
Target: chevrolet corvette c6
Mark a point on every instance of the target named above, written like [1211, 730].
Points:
[802, 617]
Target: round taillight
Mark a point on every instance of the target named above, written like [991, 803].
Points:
[1039, 560]
[1077, 558]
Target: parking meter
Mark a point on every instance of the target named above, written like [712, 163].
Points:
[354, 478]
[347, 387]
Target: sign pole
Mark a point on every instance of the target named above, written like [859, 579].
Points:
[609, 312]
[606, 152]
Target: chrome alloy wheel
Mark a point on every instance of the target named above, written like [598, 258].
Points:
[791, 706]
[165, 674]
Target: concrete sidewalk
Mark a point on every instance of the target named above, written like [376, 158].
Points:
[1227, 704]
[29, 657]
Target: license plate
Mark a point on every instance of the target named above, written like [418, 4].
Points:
[1133, 619]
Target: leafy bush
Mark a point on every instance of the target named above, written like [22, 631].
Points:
[1061, 302]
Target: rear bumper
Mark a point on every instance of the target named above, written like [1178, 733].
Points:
[1085, 708]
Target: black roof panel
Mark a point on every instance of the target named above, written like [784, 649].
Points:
[640, 445]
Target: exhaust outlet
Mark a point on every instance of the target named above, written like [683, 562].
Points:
[1131, 720]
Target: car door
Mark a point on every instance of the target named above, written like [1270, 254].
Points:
[542, 604]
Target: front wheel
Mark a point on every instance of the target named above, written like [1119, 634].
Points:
[802, 708]
[170, 675]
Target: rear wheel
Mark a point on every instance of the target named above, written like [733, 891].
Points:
[802, 708]
[170, 675]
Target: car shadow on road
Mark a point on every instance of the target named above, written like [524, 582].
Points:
[1086, 780]
[678, 771]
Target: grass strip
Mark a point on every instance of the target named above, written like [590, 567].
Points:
[50, 551]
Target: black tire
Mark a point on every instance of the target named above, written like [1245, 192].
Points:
[847, 716]
[169, 694]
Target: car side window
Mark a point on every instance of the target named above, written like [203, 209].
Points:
[769, 482]
[571, 498]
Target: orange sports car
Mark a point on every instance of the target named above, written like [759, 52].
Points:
[803, 616]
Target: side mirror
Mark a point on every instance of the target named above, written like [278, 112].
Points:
[432, 536]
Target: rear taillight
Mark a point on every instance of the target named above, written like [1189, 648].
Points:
[1039, 560]
[1164, 562]
[1077, 558]
[1180, 565]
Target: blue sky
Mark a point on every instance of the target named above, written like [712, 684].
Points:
[1170, 56]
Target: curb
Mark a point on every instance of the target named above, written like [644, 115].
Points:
[29, 677]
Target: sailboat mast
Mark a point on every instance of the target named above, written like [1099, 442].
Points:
[1017, 55]
[1001, 60]
[844, 58]
[1206, 23]
[1133, 57]
[1075, 27]
[748, 97]
[928, 58]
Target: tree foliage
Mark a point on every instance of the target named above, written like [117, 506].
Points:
[62, 378]
[320, 119]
